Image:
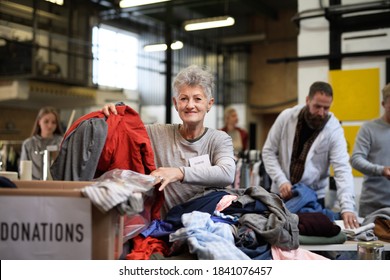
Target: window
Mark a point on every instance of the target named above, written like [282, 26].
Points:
[114, 58]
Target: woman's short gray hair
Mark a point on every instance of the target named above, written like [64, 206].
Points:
[194, 76]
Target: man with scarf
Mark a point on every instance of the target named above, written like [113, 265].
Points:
[303, 143]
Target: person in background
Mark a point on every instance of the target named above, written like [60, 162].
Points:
[189, 156]
[371, 156]
[302, 144]
[46, 133]
[239, 135]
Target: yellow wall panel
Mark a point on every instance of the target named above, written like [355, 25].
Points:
[356, 94]
[350, 133]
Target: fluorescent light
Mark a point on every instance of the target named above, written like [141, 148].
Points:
[177, 45]
[155, 48]
[163, 47]
[58, 2]
[134, 3]
[206, 23]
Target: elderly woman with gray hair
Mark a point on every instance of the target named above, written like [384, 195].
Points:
[189, 156]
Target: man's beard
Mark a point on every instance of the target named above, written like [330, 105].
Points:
[313, 121]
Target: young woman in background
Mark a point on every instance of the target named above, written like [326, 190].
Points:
[46, 134]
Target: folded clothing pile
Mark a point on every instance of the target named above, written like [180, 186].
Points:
[364, 232]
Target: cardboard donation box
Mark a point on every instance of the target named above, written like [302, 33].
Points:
[53, 220]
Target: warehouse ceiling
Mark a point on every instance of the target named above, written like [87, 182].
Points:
[60, 20]
[175, 12]
[160, 15]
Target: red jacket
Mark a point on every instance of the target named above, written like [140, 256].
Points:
[127, 144]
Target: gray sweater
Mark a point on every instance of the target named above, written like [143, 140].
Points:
[371, 154]
[172, 150]
[31, 149]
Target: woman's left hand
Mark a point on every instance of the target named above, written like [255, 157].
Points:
[166, 175]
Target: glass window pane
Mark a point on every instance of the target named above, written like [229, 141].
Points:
[115, 58]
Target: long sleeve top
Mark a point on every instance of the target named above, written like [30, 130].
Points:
[370, 155]
[243, 138]
[329, 148]
[172, 150]
[32, 149]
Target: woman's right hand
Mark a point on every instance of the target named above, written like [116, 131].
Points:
[166, 175]
[108, 109]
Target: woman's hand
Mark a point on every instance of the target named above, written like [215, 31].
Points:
[108, 109]
[166, 175]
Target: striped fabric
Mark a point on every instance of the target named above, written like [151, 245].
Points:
[124, 189]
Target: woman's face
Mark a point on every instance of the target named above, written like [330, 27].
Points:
[192, 104]
[232, 118]
[48, 124]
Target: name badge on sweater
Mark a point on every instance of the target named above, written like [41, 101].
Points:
[202, 160]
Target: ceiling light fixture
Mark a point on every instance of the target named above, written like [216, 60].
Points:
[206, 23]
[177, 45]
[155, 48]
[58, 2]
[134, 3]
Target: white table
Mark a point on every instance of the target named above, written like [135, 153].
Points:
[346, 246]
